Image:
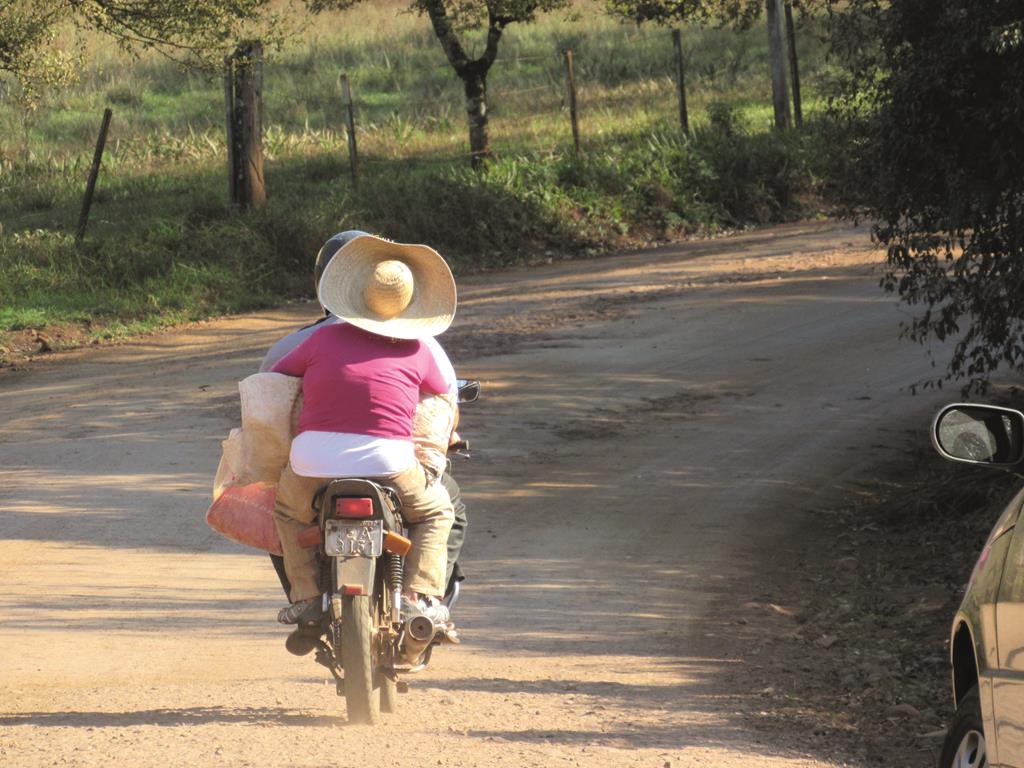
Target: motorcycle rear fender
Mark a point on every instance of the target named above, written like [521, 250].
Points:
[349, 574]
[352, 572]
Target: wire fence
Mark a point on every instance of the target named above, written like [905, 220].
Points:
[536, 105]
[394, 127]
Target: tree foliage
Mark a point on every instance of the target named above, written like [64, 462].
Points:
[452, 20]
[30, 29]
[667, 12]
[26, 34]
[465, 15]
[943, 145]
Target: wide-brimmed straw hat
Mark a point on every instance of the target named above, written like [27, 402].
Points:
[392, 289]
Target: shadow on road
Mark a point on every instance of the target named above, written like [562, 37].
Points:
[624, 512]
[171, 717]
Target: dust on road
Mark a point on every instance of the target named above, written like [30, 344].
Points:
[656, 433]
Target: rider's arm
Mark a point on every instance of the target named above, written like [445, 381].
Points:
[432, 379]
[291, 341]
[444, 365]
[454, 436]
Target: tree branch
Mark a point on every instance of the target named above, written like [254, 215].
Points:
[446, 34]
[495, 26]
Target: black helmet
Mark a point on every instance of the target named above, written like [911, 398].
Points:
[330, 248]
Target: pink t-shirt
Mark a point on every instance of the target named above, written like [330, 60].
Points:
[359, 383]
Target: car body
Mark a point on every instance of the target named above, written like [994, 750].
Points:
[987, 635]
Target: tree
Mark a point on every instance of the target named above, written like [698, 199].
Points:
[181, 28]
[449, 18]
[942, 139]
[776, 57]
[452, 21]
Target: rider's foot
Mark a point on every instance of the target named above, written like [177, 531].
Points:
[430, 607]
[435, 610]
[305, 612]
[450, 634]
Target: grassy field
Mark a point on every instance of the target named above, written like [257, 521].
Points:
[164, 246]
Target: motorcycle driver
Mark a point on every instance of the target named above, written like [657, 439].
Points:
[362, 380]
[457, 536]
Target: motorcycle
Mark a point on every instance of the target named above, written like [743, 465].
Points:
[363, 639]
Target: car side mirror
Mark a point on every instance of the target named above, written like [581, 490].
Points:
[469, 391]
[980, 434]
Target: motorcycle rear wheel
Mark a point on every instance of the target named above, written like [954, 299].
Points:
[362, 697]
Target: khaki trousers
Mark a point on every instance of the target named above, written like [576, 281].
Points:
[426, 508]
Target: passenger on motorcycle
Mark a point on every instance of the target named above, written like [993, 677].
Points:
[361, 382]
[457, 535]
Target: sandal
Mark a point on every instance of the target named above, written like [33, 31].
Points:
[304, 612]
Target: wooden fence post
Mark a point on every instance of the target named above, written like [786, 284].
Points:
[780, 94]
[794, 70]
[573, 115]
[229, 109]
[684, 118]
[94, 172]
[350, 121]
[243, 92]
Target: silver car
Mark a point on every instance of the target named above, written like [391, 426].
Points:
[987, 641]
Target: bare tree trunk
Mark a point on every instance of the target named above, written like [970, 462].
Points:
[780, 93]
[244, 92]
[794, 68]
[475, 84]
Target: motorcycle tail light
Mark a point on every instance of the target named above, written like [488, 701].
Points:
[353, 507]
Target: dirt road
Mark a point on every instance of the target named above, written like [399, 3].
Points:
[656, 435]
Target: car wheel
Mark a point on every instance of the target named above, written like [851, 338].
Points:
[965, 740]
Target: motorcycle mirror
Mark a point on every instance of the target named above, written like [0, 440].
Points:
[469, 391]
[980, 434]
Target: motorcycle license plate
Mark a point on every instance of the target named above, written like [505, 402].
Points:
[349, 538]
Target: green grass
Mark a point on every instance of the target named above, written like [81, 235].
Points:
[163, 245]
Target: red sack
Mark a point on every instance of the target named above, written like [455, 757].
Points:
[245, 513]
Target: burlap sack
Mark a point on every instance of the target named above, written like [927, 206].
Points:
[230, 463]
[268, 404]
[252, 459]
[431, 428]
[245, 513]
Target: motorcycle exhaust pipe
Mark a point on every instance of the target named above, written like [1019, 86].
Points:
[419, 634]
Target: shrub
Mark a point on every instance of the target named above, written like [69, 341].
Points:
[208, 258]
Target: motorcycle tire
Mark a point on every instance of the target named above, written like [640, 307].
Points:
[362, 697]
[964, 746]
